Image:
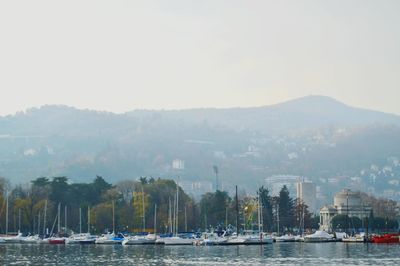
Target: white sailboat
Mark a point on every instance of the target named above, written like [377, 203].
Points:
[140, 240]
[319, 236]
[285, 238]
[32, 239]
[82, 238]
[110, 238]
[261, 237]
[57, 239]
[176, 239]
[210, 239]
[13, 238]
[10, 238]
[146, 239]
[45, 239]
[251, 237]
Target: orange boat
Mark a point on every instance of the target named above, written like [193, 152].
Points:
[386, 238]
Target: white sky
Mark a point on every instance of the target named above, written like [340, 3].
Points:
[124, 55]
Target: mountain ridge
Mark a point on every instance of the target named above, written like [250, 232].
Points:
[313, 136]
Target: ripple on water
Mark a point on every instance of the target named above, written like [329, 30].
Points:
[275, 254]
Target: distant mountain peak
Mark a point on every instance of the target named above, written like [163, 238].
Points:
[319, 100]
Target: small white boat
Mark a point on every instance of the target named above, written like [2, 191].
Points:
[176, 240]
[319, 236]
[13, 239]
[255, 239]
[140, 240]
[30, 239]
[285, 238]
[110, 239]
[84, 238]
[210, 239]
[299, 238]
[359, 238]
[249, 239]
[43, 241]
[236, 240]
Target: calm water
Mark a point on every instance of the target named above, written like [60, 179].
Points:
[275, 254]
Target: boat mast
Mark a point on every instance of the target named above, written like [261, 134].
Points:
[177, 208]
[155, 220]
[226, 217]
[44, 219]
[261, 216]
[38, 226]
[19, 220]
[302, 218]
[65, 218]
[113, 213]
[237, 213]
[173, 216]
[169, 215]
[54, 224]
[277, 213]
[58, 218]
[80, 221]
[185, 220]
[144, 218]
[205, 219]
[7, 212]
[88, 220]
[347, 212]
[258, 214]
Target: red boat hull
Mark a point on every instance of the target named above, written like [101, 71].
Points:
[56, 241]
[386, 239]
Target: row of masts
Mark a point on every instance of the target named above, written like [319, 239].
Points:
[58, 218]
[173, 216]
[173, 213]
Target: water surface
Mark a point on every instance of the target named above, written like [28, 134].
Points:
[273, 254]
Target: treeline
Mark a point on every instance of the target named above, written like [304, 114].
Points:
[373, 224]
[127, 198]
[133, 204]
[134, 207]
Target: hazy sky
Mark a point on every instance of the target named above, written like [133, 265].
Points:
[124, 55]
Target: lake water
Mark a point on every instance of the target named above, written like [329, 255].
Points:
[273, 254]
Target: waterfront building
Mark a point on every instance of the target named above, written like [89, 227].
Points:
[178, 164]
[307, 193]
[345, 202]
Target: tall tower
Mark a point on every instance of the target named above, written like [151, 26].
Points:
[306, 192]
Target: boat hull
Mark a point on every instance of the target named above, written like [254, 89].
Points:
[139, 241]
[57, 241]
[178, 241]
[108, 242]
[386, 239]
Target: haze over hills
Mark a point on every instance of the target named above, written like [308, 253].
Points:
[302, 113]
[317, 137]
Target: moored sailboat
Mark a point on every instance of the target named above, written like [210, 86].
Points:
[319, 236]
[82, 238]
[176, 239]
[285, 238]
[57, 239]
[111, 238]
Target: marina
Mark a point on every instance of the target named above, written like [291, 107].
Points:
[198, 239]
